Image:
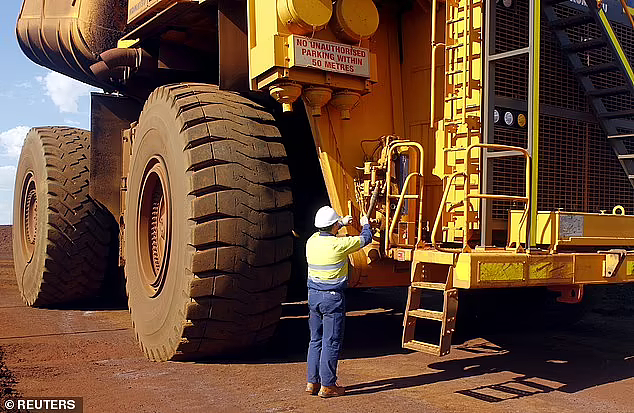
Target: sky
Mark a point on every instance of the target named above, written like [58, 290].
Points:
[30, 96]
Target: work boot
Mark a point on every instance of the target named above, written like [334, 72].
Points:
[312, 388]
[331, 391]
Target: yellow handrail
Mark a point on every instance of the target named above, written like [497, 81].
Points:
[439, 214]
[526, 199]
[467, 195]
[399, 206]
[388, 179]
[434, 47]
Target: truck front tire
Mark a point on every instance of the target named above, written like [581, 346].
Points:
[207, 224]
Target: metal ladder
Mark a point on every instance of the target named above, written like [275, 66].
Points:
[415, 311]
[462, 115]
[617, 125]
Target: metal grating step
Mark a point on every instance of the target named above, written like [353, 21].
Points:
[597, 69]
[617, 114]
[423, 347]
[585, 45]
[612, 122]
[426, 314]
[573, 21]
[611, 91]
[429, 285]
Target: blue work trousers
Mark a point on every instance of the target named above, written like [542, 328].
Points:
[326, 320]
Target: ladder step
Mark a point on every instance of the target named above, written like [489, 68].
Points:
[617, 114]
[454, 21]
[573, 21]
[611, 91]
[429, 285]
[454, 46]
[596, 69]
[628, 156]
[427, 314]
[584, 46]
[422, 347]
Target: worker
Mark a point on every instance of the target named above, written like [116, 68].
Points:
[327, 257]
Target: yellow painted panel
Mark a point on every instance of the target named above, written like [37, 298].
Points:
[501, 271]
[589, 268]
[463, 268]
[125, 44]
[549, 269]
[493, 269]
[575, 228]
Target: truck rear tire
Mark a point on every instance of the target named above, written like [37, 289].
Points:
[61, 236]
[208, 224]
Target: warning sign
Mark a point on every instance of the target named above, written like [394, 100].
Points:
[331, 56]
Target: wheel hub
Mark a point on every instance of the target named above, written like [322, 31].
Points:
[154, 227]
[158, 229]
[29, 208]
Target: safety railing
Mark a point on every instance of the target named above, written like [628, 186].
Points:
[468, 195]
[435, 46]
[403, 195]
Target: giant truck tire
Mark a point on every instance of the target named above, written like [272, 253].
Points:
[61, 236]
[207, 224]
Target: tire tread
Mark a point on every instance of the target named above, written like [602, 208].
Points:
[241, 221]
[78, 229]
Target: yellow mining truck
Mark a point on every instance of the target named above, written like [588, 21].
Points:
[490, 142]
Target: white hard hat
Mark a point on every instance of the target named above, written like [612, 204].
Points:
[325, 217]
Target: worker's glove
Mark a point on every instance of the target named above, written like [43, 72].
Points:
[347, 220]
[364, 221]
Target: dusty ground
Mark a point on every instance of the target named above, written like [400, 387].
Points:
[91, 352]
[6, 249]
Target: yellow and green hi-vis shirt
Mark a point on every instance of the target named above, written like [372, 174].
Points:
[327, 257]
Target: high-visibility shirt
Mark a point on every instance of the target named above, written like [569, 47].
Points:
[327, 257]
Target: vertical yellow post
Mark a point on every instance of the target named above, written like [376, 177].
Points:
[533, 112]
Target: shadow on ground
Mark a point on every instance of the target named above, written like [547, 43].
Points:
[597, 350]
[594, 352]
[7, 386]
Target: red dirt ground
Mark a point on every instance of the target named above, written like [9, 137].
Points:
[91, 352]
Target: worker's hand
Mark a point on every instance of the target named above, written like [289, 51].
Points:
[364, 221]
[347, 220]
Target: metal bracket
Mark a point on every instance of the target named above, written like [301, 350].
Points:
[613, 260]
[569, 294]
